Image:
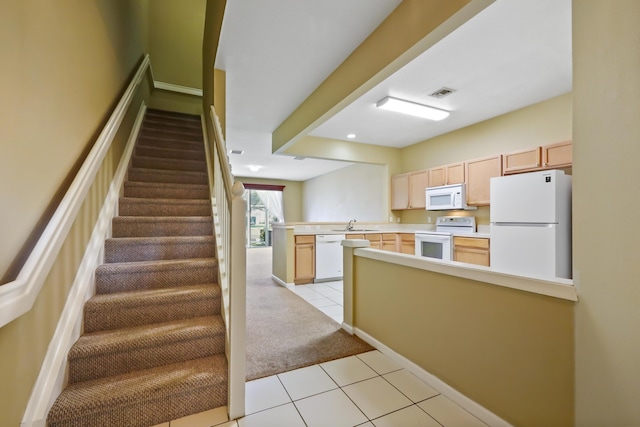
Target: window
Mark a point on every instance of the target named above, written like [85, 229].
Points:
[264, 207]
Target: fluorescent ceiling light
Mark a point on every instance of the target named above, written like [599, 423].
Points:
[254, 168]
[411, 108]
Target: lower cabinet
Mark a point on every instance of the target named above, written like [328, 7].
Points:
[389, 242]
[375, 240]
[472, 250]
[305, 259]
[407, 243]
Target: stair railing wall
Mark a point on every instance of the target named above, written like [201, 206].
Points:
[229, 216]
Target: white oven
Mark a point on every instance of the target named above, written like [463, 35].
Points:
[438, 244]
[433, 244]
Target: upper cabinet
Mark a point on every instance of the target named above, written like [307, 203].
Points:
[558, 155]
[479, 173]
[400, 191]
[446, 175]
[521, 161]
[546, 157]
[407, 190]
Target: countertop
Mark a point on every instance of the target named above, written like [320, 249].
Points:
[314, 229]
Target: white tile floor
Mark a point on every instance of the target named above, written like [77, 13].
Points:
[325, 296]
[363, 390]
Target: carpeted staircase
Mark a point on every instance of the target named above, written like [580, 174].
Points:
[153, 343]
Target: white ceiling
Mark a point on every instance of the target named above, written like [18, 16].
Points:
[512, 54]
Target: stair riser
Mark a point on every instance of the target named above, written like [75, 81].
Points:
[184, 136]
[132, 359]
[146, 228]
[159, 192]
[154, 123]
[98, 317]
[169, 164]
[150, 175]
[169, 144]
[117, 250]
[157, 209]
[190, 121]
[168, 153]
[123, 281]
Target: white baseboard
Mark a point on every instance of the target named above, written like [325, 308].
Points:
[446, 390]
[290, 286]
[52, 377]
[347, 327]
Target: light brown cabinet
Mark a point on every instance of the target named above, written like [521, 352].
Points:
[558, 155]
[446, 175]
[407, 190]
[305, 259]
[389, 242]
[522, 161]
[479, 173]
[472, 250]
[375, 240]
[407, 243]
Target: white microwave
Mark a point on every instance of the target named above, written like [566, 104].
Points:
[446, 197]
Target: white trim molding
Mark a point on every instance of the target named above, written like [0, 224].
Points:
[51, 378]
[279, 281]
[445, 389]
[177, 88]
[17, 297]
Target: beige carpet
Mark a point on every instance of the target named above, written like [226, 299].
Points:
[284, 332]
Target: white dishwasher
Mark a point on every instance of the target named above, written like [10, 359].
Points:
[328, 257]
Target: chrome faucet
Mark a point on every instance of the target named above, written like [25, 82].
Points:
[350, 225]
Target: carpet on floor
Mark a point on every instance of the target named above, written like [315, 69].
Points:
[284, 332]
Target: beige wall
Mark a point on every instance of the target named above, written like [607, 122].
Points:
[175, 41]
[65, 66]
[68, 63]
[606, 55]
[510, 351]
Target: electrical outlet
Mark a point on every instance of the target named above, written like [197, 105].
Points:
[429, 219]
[398, 219]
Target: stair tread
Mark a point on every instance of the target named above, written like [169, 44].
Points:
[136, 387]
[155, 219]
[177, 264]
[151, 200]
[168, 185]
[152, 297]
[167, 171]
[120, 340]
[159, 240]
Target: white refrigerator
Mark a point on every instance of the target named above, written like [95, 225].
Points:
[530, 228]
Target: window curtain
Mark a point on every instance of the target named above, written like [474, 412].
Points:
[273, 201]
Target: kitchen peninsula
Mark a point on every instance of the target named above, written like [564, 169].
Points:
[294, 249]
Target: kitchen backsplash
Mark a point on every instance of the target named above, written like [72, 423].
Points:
[421, 216]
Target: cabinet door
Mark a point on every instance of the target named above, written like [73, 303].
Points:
[418, 182]
[407, 243]
[389, 242]
[304, 260]
[557, 155]
[400, 191]
[472, 250]
[521, 161]
[479, 172]
[455, 173]
[471, 256]
[437, 176]
[375, 240]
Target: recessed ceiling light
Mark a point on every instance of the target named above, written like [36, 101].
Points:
[351, 135]
[254, 168]
[411, 108]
